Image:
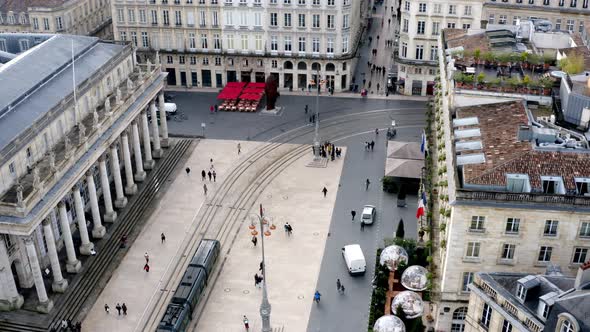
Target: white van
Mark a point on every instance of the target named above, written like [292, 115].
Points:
[170, 108]
[354, 258]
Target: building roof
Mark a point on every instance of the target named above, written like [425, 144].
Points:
[40, 78]
[459, 38]
[21, 6]
[582, 51]
[505, 154]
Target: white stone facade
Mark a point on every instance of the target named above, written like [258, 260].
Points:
[420, 25]
[77, 17]
[207, 43]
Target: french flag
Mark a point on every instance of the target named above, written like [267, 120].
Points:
[420, 211]
[423, 197]
[423, 143]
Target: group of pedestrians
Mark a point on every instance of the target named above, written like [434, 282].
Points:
[288, 229]
[67, 326]
[211, 174]
[369, 146]
[120, 308]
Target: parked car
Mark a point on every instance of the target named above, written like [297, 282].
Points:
[368, 215]
[354, 258]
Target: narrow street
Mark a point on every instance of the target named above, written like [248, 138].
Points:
[381, 32]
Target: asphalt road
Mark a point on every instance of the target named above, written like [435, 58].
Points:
[346, 122]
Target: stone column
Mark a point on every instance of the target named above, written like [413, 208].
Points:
[86, 246]
[98, 231]
[155, 132]
[148, 163]
[73, 264]
[139, 172]
[121, 200]
[45, 304]
[59, 284]
[130, 187]
[11, 299]
[110, 214]
[163, 121]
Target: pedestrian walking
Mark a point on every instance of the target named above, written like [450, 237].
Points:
[188, 170]
[146, 267]
[216, 108]
[342, 289]
[118, 307]
[124, 307]
[289, 229]
[286, 228]
[203, 175]
[338, 284]
[367, 183]
[239, 148]
[325, 191]
[209, 175]
[373, 144]
[246, 323]
[256, 280]
[79, 326]
[163, 237]
[214, 176]
[362, 225]
[364, 81]
[389, 22]
[211, 109]
[353, 213]
[261, 266]
[147, 257]
[306, 109]
[107, 309]
[254, 240]
[205, 189]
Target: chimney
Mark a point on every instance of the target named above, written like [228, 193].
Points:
[583, 276]
[525, 133]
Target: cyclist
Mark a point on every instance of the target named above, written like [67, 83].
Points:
[316, 296]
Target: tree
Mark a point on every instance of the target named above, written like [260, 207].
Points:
[573, 64]
[399, 233]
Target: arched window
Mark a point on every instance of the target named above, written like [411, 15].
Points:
[302, 65]
[330, 67]
[458, 323]
[567, 326]
[316, 66]
[288, 65]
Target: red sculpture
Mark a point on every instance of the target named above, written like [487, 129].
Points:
[271, 91]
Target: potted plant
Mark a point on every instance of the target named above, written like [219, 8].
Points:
[468, 80]
[523, 60]
[480, 79]
[459, 79]
[489, 59]
[546, 83]
[526, 80]
[547, 61]
[513, 83]
[477, 55]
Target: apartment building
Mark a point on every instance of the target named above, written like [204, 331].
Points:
[207, 43]
[60, 143]
[78, 17]
[421, 23]
[564, 15]
[511, 302]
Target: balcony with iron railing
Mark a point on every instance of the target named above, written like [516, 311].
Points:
[568, 200]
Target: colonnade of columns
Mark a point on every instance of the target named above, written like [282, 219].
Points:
[10, 299]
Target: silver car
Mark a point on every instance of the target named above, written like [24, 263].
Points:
[369, 213]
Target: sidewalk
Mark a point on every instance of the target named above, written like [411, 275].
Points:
[293, 263]
[173, 215]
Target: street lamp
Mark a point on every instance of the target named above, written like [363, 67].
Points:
[265, 305]
[316, 139]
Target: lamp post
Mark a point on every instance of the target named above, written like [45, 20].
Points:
[265, 306]
[316, 138]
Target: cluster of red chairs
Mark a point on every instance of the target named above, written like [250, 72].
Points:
[235, 105]
[241, 97]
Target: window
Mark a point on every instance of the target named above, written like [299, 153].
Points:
[550, 228]
[35, 23]
[545, 254]
[435, 28]
[502, 19]
[433, 52]
[154, 16]
[585, 229]
[274, 21]
[169, 59]
[274, 43]
[123, 35]
[557, 26]
[330, 2]
[437, 8]
[315, 21]
[202, 18]
[407, 6]
[191, 40]
[422, 8]
[581, 27]
[467, 11]
[120, 15]
[570, 25]
[165, 17]
[215, 19]
[134, 37]
[330, 21]
[11, 169]
[580, 255]
[288, 44]
[193, 60]
[567, 326]
[216, 42]
[315, 45]
[451, 25]
[301, 44]
[302, 20]
[345, 22]
[491, 19]
[486, 315]
[467, 279]
[506, 326]
[244, 39]
[518, 183]
[181, 59]
[466, 26]
[229, 18]
[477, 224]
[178, 17]
[546, 309]
[45, 23]
[145, 40]
[405, 24]
[404, 50]
[204, 41]
[419, 52]
[473, 249]
[345, 44]
[515, 20]
[59, 23]
[452, 9]
[142, 16]
[131, 15]
[508, 251]
[512, 225]
[287, 22]
[553, 184]
[274, 63]
[330, 45]
[258, 42]
[421, 27]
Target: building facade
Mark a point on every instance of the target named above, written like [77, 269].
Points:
[421, 22]
[70, 156]
[509, 302]
[77, 17]
[565, 15]
[207, 43]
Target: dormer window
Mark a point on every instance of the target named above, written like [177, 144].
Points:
[545, 303]
[518, 183]
[521, 292]
[582, 186]
[553, 185]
